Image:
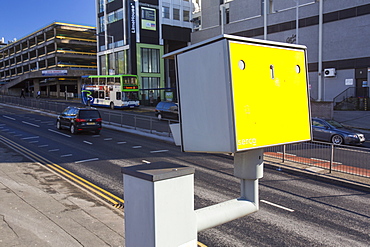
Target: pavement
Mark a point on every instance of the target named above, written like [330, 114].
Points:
[38, 207]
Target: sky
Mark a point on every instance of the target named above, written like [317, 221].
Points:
[19, 18]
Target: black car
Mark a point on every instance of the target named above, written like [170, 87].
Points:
[166, 109]
[332, 131]
[78, 119]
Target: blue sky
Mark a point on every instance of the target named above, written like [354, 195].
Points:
[19, 18]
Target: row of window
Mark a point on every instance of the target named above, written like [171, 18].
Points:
[175, 14]
[150, 62]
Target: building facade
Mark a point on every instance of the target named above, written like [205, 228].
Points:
[133, 35]
[334, 31]
[50, 60]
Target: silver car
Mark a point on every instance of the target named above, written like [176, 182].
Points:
[334, 132]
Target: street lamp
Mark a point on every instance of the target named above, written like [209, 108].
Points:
[114, 55]
[297, 20]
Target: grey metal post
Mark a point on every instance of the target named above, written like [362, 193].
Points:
[159, 205]
[248, 166]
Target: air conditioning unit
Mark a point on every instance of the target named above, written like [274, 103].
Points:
[329, 72]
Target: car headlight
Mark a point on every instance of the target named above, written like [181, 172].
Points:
[353, 136]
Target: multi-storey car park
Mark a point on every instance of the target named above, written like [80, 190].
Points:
[50, 60]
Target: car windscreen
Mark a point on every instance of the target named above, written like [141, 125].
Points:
[335, 124]
[89, 114]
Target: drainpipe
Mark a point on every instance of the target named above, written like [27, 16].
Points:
[265, 19]
[319, 82]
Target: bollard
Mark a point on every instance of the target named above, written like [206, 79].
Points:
[159, 205]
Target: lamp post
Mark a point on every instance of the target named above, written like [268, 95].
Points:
[114, 55]
[297, 20]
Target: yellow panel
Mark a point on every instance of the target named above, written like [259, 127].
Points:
[270, 95]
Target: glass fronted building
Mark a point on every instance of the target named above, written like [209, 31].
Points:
[132, 37]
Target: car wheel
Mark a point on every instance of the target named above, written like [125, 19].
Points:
[59, 127]
[159, 116]
[112, 106]
[73, 129]
[337, 140]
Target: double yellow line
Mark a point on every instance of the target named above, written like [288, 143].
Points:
[116, 201]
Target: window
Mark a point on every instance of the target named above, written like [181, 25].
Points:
[150, 60]
[101, 6]
[186, 15]
[101, 24]
[176, 14]
[120, 62]
[151, 84]
[166, 12]
[115, 16]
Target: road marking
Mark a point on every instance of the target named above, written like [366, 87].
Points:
[90, 143]
[137, 147]
[54, 150]
[42, 146]
[8, 117]
[108, 139]
[278, 206]
[59, 133]
[66, 155]
[82, 161]
[31, 137]
[34, 125]
[159, 151]
[145, 161]
[121, 142]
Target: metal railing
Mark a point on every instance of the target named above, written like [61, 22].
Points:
[320, 155]
[346, 159]
[112, 117]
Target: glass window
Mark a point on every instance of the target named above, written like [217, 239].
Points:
[101, 24]
[120, 62]
[103, 65]
[176, 14]
[166, 12]
[151, 84]
[186, 15]
[150, 60]
[101, 6]
[111, 17]
[118, 96]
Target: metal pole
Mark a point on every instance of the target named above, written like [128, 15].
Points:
[265, 19]
[331, 157]
[319, 82]
[297, 21]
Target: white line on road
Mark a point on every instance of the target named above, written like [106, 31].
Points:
[108, 139]
[159, 151]
[8, 117]
[278, 206]
[82, 161]
[90, 143]
[42, 146]
[66, 155]
[145, 161]
[34, 125]
[136, 147]
[121, 142]
[59, 133]
[31, 137]
[54, 150]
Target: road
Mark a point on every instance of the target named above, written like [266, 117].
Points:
[294, 211]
